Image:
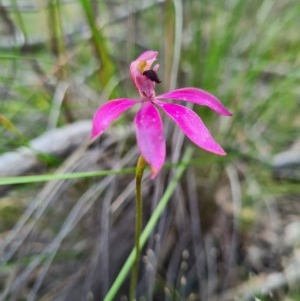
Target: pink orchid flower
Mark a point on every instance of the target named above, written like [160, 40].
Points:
[148, 123]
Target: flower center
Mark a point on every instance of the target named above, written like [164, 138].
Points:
[144, 69]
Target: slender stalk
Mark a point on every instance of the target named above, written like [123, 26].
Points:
[111, 294]
[140, 167]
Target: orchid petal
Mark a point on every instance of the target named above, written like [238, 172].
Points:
[192, 126]
[197, 96]
[108, 112]
[150, 136]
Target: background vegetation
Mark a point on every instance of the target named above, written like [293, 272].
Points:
[231, 229]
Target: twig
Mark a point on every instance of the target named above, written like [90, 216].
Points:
[55, 142]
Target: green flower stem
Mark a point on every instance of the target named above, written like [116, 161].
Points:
[149, 227]
[140, 167]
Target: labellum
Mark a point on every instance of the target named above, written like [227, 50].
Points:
[151, 74]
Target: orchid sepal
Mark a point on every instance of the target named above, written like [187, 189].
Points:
[192, 126]
[150, 136]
